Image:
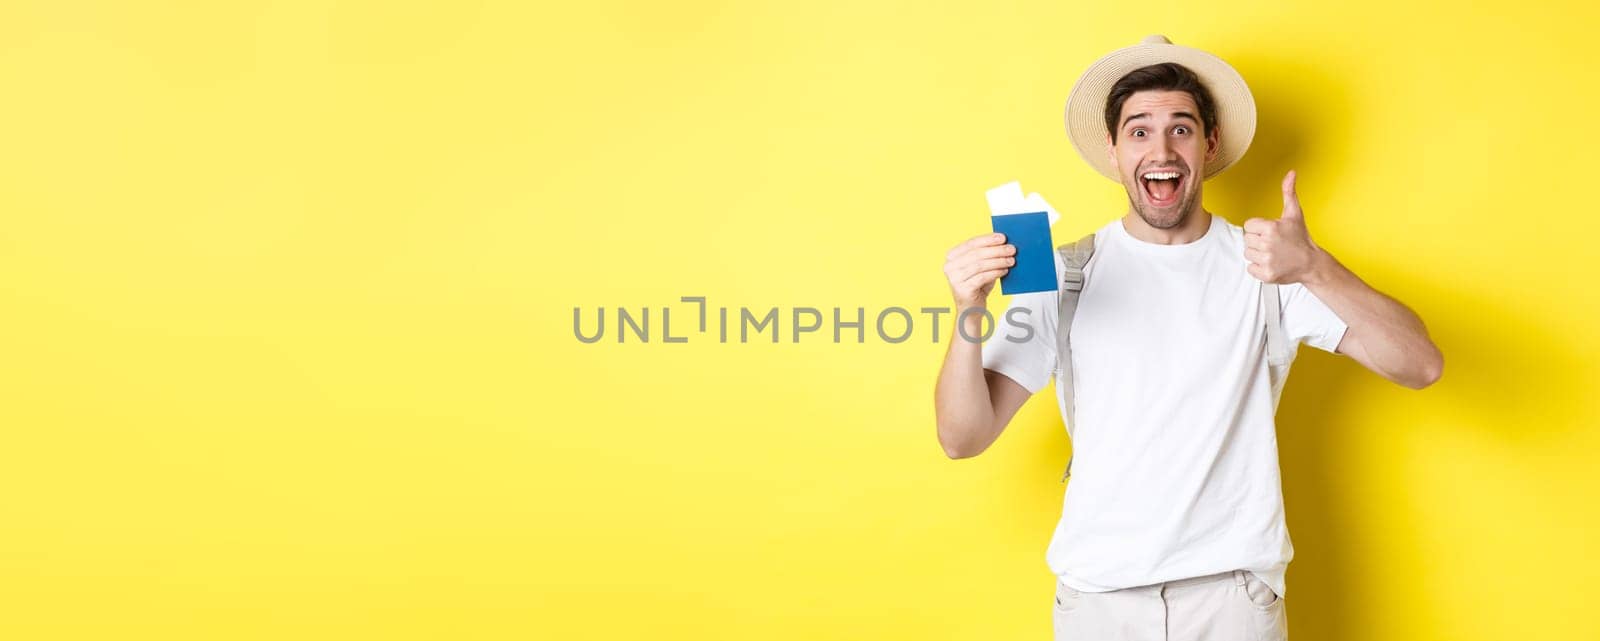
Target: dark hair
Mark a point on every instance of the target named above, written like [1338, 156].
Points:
[1168, 76]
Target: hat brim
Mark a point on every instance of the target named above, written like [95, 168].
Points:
[1086, 105]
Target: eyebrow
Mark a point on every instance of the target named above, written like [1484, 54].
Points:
[1175, 116]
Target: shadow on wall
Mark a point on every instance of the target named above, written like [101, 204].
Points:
[1497, 371]
[1497, 356]
[1325, 569]
[1251, 188]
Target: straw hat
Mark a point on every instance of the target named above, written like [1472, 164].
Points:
[1086, 105]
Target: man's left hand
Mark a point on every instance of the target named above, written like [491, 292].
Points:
[1280, 251]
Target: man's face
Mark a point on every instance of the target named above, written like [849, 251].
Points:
[1158, 135]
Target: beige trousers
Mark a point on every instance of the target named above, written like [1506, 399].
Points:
[1228, 606]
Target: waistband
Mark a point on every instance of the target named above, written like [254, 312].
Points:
[1237, 576]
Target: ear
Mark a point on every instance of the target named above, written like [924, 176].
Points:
[1111, 152]
[1213, 144]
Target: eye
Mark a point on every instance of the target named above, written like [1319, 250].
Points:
[1180, 129]
[1137, 133]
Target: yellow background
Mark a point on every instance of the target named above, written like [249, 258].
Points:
[288, 288]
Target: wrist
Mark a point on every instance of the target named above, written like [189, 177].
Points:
[1323, 265]
[963, 305]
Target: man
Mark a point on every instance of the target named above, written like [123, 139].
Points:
[1173, 524]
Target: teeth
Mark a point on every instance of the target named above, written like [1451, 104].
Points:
[1161, 175]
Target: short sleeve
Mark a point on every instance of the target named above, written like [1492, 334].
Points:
[1022, 347]
[1306, 319]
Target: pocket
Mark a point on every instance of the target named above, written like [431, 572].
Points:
[1259, 593]
[1066, 597]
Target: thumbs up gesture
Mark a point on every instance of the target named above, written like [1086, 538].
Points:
[1280, 251]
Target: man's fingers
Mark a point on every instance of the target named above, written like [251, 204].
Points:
[992, 251]
[960, 272]
[985, 277]
[1255, 255]
[982, 253]
[975, 242]
[1257, 226]
[1291, 200]
[1259, 272]
[988, 265]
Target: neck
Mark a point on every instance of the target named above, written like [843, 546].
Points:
[1192, 228]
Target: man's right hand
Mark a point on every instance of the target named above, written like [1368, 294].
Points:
[973, 265]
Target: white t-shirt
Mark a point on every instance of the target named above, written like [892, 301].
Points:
[1175, 468]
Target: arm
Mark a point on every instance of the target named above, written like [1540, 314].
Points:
[973, 405]
[1382, 334]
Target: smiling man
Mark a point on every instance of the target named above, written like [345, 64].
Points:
[1173, 525]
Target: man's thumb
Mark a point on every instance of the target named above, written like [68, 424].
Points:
[1291, 200]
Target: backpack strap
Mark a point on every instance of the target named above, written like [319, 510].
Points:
[1074, 256]
[1280, 352]
[1277, 342]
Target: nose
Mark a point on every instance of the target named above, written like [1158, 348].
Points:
[1162, 149]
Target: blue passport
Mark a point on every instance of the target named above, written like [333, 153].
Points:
[1035, 270]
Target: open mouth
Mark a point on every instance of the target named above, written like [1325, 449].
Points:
[1161, 188]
